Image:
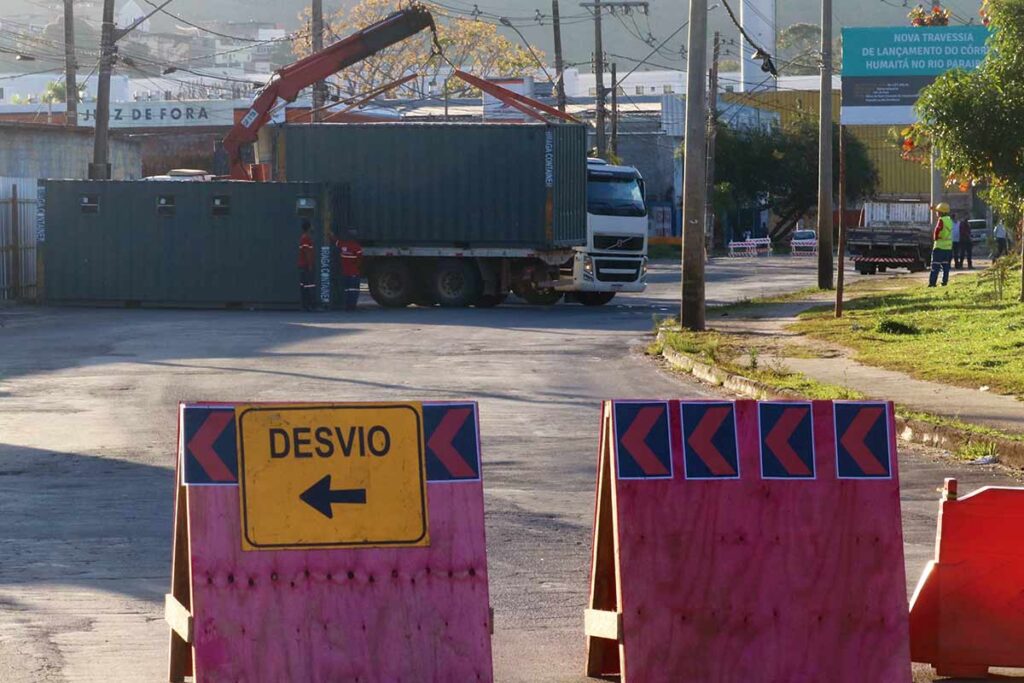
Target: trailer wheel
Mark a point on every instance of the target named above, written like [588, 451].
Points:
[391, 284]
[594, 298]
[456, 283]
[881, 269]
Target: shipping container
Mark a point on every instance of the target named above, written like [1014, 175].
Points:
[220, 243]
[448, 184]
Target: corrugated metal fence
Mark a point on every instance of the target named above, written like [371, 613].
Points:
[17, 238]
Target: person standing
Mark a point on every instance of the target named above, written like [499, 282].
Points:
[306, 285]
[958, 260]
[942, 251]
[1000, 234]
[351, 253]
[966, 248]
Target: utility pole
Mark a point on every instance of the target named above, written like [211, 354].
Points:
[691, 312]
[825, 152]
[559, 69]
[317, 38]
[70, 66]
[599, 79]
[841, 274]
[99, 169]
[709, 211]
[615, 112]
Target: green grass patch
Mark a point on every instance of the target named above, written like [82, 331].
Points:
[969, 334]
[740, 356]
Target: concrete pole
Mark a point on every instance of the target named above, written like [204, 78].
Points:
[825, 152]
[691, 312]
[599, 80]
[709, 211]
[559, 68]
[70, 66]
[935, 193]
[614, 141]
[841, 273]
[100, 167]
[317, 40]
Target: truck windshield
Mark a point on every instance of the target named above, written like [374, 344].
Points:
[609, 195]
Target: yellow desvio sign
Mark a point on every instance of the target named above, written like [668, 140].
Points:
[332, 476]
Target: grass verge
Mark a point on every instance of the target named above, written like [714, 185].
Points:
[970, 333]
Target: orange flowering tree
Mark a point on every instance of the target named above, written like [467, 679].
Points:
[922, 16]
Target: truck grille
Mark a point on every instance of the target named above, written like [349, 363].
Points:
[618, 243]
[617, 270]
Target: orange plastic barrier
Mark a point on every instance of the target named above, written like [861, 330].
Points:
[966, 614]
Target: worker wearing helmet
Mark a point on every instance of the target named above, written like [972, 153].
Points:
[942, 251]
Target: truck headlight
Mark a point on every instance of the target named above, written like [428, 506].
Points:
[643, 268]
[588, 265]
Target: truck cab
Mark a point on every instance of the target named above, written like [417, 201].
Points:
[615, 256]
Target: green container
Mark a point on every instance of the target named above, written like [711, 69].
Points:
[174, 243]
[464, 185]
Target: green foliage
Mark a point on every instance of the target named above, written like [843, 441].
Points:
[890, 326]
[975, 119]
[778, 169]
[966, 336]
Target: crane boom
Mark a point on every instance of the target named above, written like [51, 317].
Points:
[289, 81]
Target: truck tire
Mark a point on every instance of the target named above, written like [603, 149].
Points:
[490, 300]
[392, 284]
[594, 298]
[456, 283]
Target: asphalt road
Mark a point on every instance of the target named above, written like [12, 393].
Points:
[87, 443]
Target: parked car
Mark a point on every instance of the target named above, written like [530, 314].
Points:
[805, 235]
[979, 230]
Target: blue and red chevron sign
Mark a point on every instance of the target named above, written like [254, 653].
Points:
[862, 440]
[210, 454]
[787, 440]
[642, 443]
[710, 449]
[453, 443]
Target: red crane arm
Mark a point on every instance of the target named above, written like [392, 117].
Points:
[289, 81]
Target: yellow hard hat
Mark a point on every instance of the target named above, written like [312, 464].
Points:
[942, 207]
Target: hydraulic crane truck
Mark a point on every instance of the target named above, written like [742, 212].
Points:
[457, 214]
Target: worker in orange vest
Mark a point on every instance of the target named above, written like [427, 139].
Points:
[305, 263]
[351, 254]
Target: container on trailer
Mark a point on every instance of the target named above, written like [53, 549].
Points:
[170, 243]
[448, 184]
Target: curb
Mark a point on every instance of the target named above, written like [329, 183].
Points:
[1010, 452]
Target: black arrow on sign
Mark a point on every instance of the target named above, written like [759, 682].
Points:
[320, 496]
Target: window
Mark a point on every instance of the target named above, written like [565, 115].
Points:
[221, 205]
[165, 205]
[89, 203]
[305, 207]
[593, 91]
[668, 90]
[639, 90]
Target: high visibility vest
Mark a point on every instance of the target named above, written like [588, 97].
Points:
[944, 240]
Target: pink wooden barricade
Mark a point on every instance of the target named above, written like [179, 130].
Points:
[761, 552]
[406, 614]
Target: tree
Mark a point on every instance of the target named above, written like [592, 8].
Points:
[56, 91]
[800, 50]
[470, 45]
[974, 118]
[777, 169]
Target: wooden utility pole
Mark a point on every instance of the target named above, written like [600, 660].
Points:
[709, 210]
[70, 66]
[614, 146]
[559, 68]
[841, 273]
[317, 40]
[15, 243]
[599, 80]
[99, 169]
[825, 152]
[691, 312]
